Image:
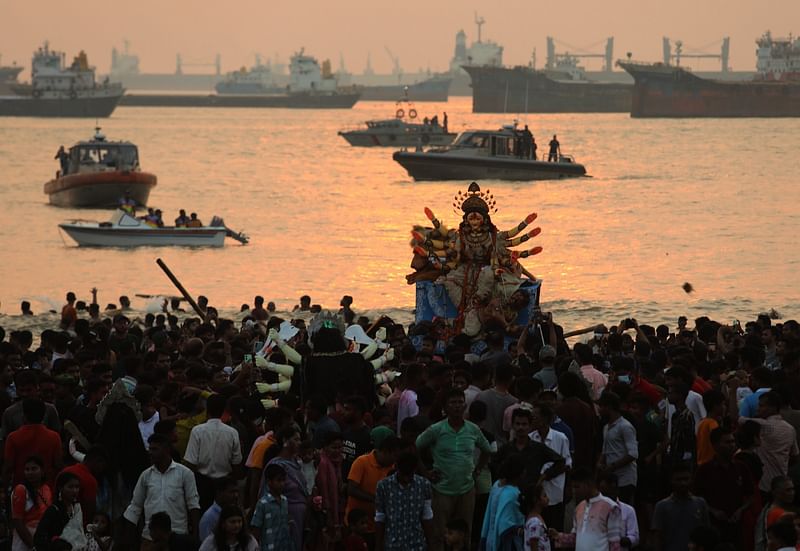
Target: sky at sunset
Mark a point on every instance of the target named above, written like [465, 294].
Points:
[421, 33]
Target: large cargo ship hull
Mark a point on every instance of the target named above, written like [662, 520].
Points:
[429, 90]
[524, 90]
[297, 101]
[28, 106]
[663, 91]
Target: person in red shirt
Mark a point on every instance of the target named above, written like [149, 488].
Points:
[32, 438]
[90, 472]
[356, 540]
[623, 370]
[29, 501]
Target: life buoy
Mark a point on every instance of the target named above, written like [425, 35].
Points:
[37, 93]
[412, 113]
[73, 94]
[400, 114]
[426, 139]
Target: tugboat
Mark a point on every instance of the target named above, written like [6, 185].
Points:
[123, 230]
[59, 91]
[485, 155]
[401, 131]
[98, 173]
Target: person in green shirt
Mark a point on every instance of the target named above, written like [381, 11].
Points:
[452, 442]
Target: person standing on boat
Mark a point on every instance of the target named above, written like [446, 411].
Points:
[527, 142]
[534, 147]
[444, 122]
[63, 158]
[555, 150]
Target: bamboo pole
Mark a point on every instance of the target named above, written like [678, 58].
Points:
[180, 288]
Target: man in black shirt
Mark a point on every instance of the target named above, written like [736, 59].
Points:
[355, 433]
[535, 454]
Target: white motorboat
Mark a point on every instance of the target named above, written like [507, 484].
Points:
[405, 130]
[485, 155]
[123, 230]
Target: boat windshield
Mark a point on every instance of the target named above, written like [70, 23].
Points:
[383, 124]
[477, 140]
[104, 157]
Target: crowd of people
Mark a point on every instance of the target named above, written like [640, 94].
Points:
[184, 431]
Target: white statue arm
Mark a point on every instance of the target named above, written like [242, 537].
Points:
[292, 356]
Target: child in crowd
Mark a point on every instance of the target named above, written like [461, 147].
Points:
[271, 517]
[456, 537]
[359, 527]
[99, 532]
[536, 536]
[309, 466]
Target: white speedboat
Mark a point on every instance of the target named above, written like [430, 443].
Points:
[405, 130]
[124, 230]
[485, 155]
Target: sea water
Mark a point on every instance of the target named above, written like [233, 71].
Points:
[712, 202]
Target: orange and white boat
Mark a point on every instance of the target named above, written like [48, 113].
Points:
[99, 173]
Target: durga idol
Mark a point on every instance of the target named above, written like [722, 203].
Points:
[475, 262]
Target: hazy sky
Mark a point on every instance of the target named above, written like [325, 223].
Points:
[421, 33]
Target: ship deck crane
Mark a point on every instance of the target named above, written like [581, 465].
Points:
[180, 64]
[553, 57]
[396, 69]
[697, 53]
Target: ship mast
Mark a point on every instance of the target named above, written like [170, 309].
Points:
[479, 21]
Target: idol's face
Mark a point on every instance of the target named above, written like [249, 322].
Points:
[475, 220]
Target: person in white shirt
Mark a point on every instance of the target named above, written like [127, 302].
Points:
[213, 451]
[694, 400]
[620, 447]
[165, 487]
[559, 443]
[629, 535]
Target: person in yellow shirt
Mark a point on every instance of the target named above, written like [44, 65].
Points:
[715, 404]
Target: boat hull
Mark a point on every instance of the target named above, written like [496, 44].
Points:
[290, 101]
[95, 236]
[524, 90]
[437, 89]
[99, 190]
[428, 166]
[359, 138]
[88, 107]
[662, 91]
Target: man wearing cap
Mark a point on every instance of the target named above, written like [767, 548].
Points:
[547, 373]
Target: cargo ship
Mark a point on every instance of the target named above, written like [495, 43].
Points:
[526, 90]
[662, 90]
[57, 90]
[432, 89]
[8, 77]
[309, 88]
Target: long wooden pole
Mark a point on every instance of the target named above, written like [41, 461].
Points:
[180, 288]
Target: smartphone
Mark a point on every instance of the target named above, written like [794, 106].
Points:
[248, 358]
